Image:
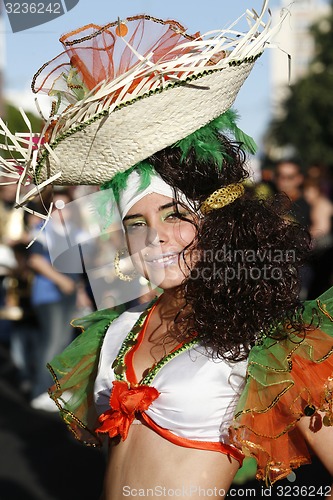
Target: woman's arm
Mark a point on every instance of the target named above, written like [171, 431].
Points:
[321, 442]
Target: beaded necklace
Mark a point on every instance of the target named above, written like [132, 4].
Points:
[119, 366]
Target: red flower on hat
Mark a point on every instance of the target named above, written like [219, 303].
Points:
[125, 402]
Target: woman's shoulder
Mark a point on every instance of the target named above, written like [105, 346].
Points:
[108, 316]
[103, 315]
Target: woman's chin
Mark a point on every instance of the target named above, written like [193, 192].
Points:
[166, 278]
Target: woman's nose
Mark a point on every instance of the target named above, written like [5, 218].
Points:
[156, 235]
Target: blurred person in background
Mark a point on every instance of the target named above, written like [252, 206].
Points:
[11, 230]
[321, 174]
[289, 180]
[24, 328]
[321, 217]
[54, 295]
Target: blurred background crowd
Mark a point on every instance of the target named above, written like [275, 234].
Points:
[37, 300]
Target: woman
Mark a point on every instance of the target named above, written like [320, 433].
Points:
[179, 386]
[178, 248]
[228, 267]
[155, 231]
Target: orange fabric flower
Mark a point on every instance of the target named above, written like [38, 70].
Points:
[125, 402]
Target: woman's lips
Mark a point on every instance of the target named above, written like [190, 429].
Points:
[164, 260]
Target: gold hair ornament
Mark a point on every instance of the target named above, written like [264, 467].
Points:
[222, 197]
[117, 270]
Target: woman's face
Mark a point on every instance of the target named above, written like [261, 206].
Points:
[156, 237]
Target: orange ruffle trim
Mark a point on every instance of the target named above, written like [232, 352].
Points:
[287, 380]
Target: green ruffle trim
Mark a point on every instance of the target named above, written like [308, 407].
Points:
[270, 361]
[74, 372]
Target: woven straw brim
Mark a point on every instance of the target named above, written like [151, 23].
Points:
[92, 153]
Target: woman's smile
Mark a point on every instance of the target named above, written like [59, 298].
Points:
[162, 260]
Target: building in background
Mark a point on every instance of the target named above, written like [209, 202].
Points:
[295, 39]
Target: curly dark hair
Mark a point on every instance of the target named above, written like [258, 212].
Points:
[247, 281]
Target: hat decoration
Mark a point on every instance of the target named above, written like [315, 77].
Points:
[123, 91]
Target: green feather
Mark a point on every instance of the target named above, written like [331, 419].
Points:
[205, 140]
[119, 182]
[247, 141]
[146, 171]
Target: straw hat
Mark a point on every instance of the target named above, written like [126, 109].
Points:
[128, 89]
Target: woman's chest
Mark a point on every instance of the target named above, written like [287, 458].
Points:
[193, 387]
[154, 343]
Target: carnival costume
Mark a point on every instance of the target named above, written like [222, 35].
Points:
[120, 98]
[285, 380]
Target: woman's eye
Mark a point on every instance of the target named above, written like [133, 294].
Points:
[135, 226]
[173, 215]
[176, 216]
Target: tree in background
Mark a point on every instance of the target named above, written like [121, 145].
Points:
[15, 122]
[306, 126]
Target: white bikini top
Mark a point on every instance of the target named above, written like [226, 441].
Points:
[197, 394]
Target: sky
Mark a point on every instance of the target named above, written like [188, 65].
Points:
[27, 51]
